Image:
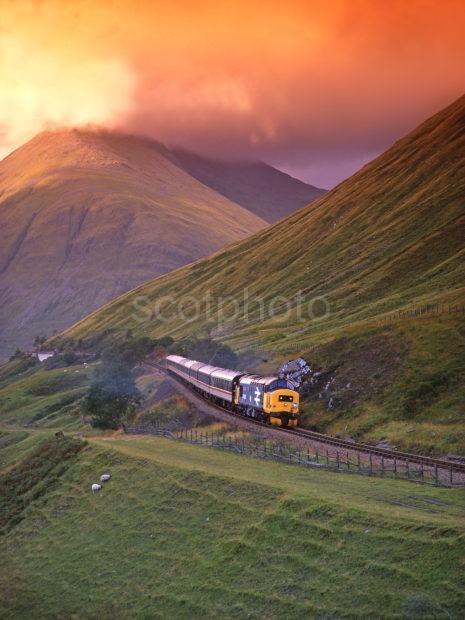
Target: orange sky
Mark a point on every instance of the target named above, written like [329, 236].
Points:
[316, 87]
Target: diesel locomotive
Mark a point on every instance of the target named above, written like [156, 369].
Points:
[265, 398]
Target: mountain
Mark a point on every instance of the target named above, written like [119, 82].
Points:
[388, 239]
[388, 235]
[87, 215]
[260, 188]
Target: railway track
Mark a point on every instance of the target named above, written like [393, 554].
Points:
[329, 440]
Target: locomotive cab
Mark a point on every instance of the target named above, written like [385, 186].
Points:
[281, 402]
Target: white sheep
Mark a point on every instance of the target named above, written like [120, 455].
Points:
[105, 477]
[95, 488]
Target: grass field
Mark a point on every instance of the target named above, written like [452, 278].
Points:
[185, 532]
[43, 398]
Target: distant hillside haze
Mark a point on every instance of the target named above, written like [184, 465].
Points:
[260, 188]
[88, 215]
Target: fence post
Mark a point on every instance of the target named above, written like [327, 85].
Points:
[436, 477]
[337, 458]
[407, 468]
[327, 458]
[358, 461]
[316, 455]
[382, 465]
[450, 474]
[395, 467]
[422, 473]
[371, 464]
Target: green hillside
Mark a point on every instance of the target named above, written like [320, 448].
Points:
[183, 532]
[389, 238]
[38, 397]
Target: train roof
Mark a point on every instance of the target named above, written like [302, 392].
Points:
[215, 371]
[225, 373]
[207, 368]
[184, 361]
[175, 358]
[197, 365]
[253, 379]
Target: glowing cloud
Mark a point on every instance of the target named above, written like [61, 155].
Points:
[310, 85]
[39, 90]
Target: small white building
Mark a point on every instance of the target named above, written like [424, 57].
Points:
[44, 355]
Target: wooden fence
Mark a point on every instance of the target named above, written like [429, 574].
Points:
[332, 459]
[424, 311]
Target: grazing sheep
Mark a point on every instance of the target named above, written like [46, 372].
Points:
[95, 488]
[105, 477]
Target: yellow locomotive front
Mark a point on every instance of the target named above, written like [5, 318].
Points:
[268, 399]
[281, 404]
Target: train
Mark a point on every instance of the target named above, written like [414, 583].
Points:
[268, 399]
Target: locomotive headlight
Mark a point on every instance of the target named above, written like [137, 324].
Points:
[295, 405]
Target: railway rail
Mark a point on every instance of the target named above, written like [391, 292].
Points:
[329, 440]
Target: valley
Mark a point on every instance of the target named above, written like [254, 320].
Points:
[383, 242]
[232, 310]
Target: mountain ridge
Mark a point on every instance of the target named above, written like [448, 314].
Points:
[271, 195]
[87, 215]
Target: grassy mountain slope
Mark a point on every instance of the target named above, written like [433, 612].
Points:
[192, 531]
[44, 398]
[260, 188]
[390, 237]
[87, 215]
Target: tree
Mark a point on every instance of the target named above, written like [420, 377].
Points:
[69, 357]
[132, 350]
[164, 342]
[208, 351]
[18, 354]
[39, 341]
[113, 395]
